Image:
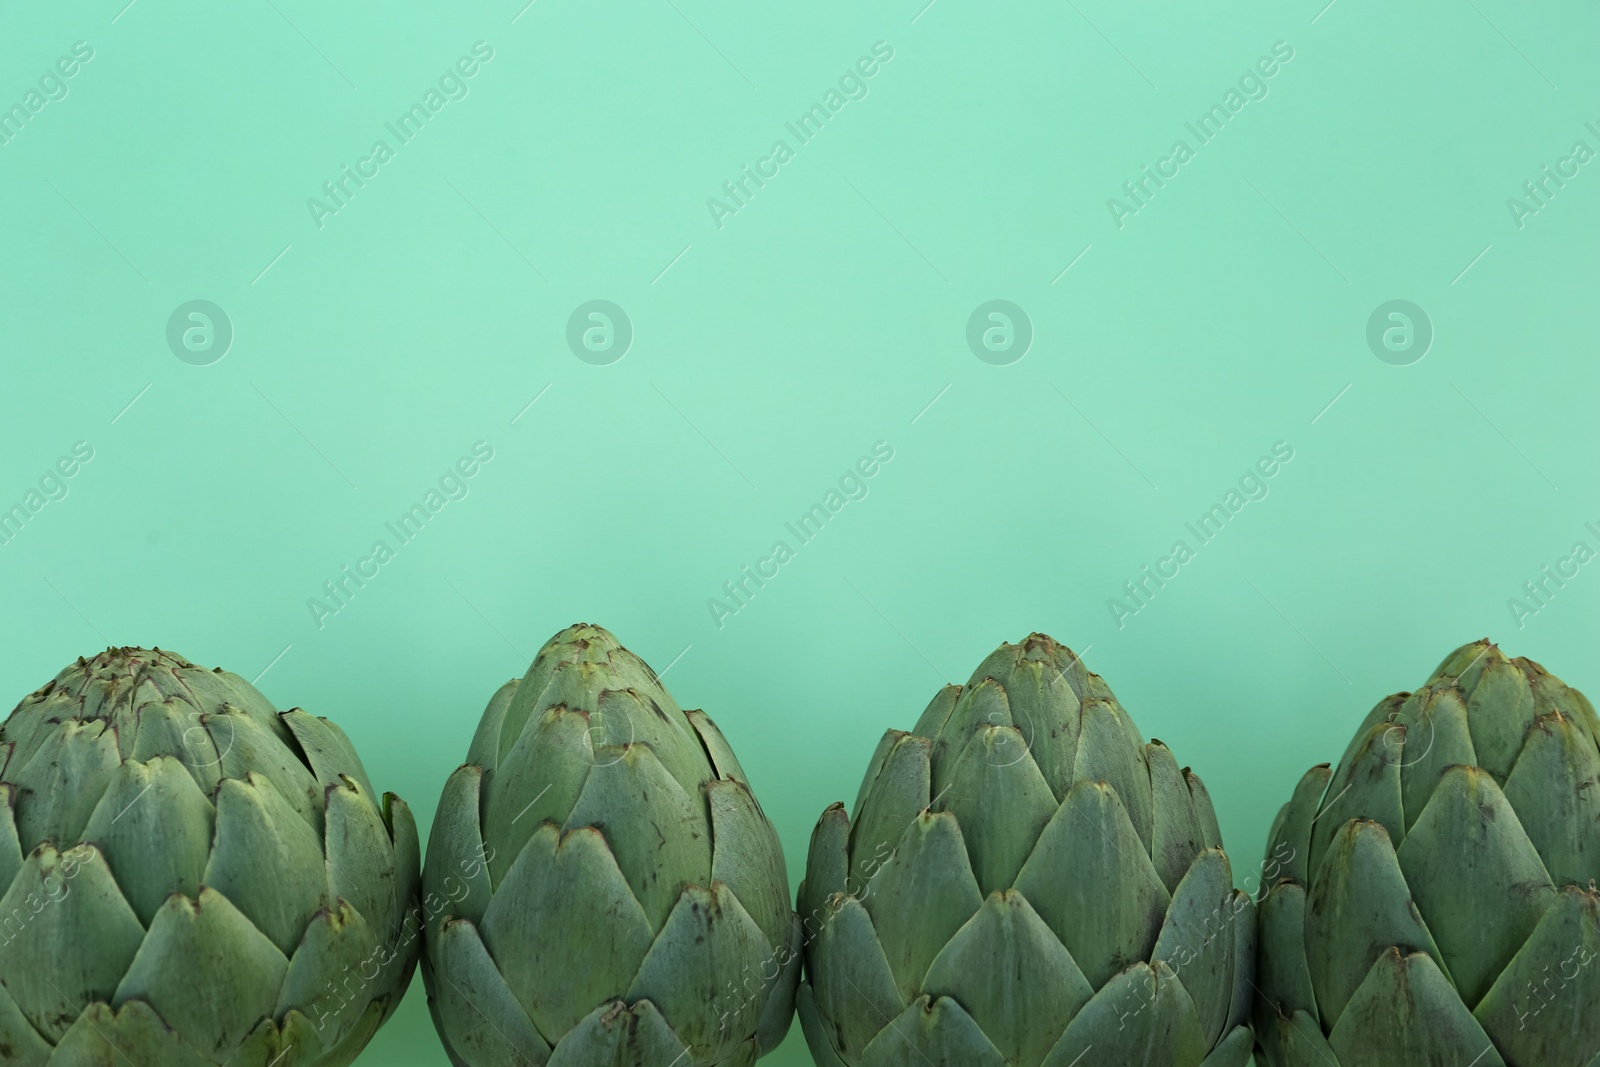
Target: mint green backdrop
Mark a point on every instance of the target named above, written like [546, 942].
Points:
[1172, 341]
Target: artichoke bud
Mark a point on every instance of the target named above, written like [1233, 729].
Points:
[184, 870]
[1447, 908]
[601, 885]
[1023, 879]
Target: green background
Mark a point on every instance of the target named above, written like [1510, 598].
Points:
[769, 354]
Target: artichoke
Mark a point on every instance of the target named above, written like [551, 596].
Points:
[192, 877]
[1437, 899]
[601, 886]
[1026, 882]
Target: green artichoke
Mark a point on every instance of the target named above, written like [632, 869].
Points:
[1437, 902]
[1026, 883]
[192, 878]
[601, 886]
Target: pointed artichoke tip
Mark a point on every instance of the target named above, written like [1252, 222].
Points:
[585, 633]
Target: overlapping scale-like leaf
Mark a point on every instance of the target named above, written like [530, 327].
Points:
[156, 828]
[932, 1032]
[267, 862]
[1500, 709]
[921, 897]
[1142, 1016]
[63, 781]
[1197, 940]
[1541, 1008]
[1367, 786]
[100, 1034]
[901, 789]
[565, 928]
[1436, 737]
[1000, 799]
[853, 985]
[1475, 877]
[695, 971]
[1555, 791]
[1110, 750]
[748, 859]
[1406, 1012]
[70, 936]
[1359, 906]
[538, 781]
[827, 868]
[1012, 975]
[1176, 834]
[1094, 884]
[207, 971]
[620, 1035]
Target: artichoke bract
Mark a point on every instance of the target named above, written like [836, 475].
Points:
[601, 887]
[192, 877]
[1025, 883]
[1438, 902]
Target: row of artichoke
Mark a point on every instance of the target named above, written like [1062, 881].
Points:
[191, 878]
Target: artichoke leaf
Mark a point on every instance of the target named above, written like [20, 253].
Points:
[707, 971]
[1437, 737]
[849, 982]
[1197, 940]
[1541, 1008]
[658, 834]
[812, 1028]
[748, 859]
[156, 829]
[1500, 709]
[1142, 1016]
[538, 781]
[1110, 750]
[327, 750]
[1012, 975]
[723, 761]
[63, 782]
[133, 1033]
[479, 1018]
[360, 855]
[616, 1035]
[334, 972]
[898, 793]
[1555, 790]
[455, 879]
[22, 1044]
[266, 860]
[827, 868]
[1359, 907]
[1233, 1050]
[921, 897]
[1094, 884]
[1475, 877]
[1406, 1012]
[1289, 848]
[1002, 802]
[565, 928]
[932, 1033]
[1366, 787]
[1176, 834]
[1283, 977]
[207, 971]
[60, 902]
